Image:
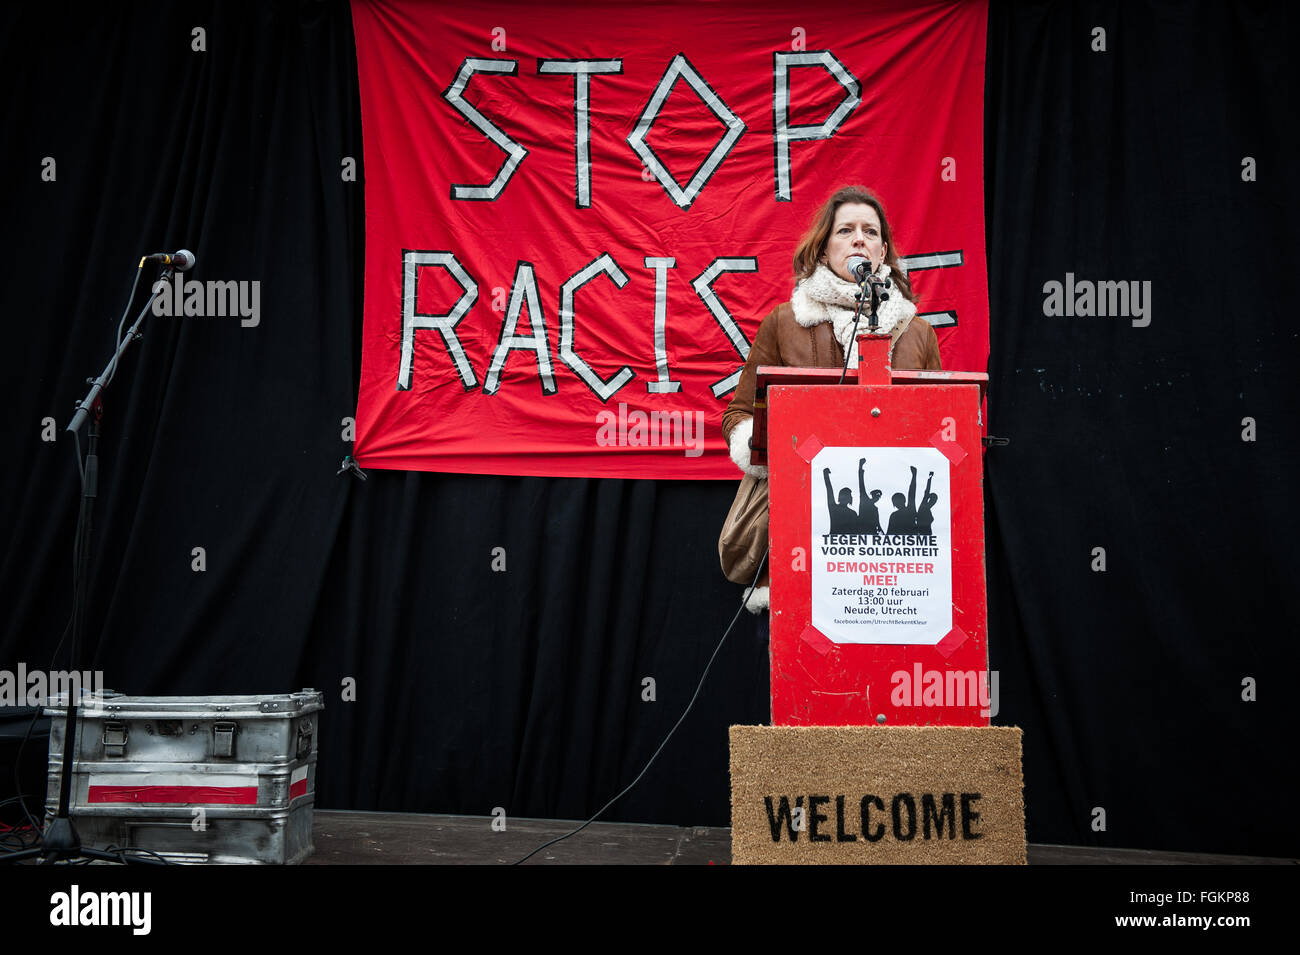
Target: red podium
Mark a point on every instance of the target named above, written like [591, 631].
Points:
[878, 607]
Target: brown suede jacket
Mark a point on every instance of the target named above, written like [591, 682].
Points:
[783, 341]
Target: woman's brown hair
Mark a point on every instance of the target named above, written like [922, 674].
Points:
[813, 243]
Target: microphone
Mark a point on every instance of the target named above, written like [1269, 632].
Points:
[859, 266]
[182, 260]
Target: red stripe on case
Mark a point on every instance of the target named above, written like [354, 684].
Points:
[188, 795]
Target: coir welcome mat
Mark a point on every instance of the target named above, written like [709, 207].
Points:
[935, 795]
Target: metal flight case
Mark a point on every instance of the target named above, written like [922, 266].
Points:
[215, 779]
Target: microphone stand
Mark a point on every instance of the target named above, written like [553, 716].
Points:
[60, 841]
[876, 299]
[873, 291]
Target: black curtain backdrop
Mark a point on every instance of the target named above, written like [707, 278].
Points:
[1127, 164]
[524, 688]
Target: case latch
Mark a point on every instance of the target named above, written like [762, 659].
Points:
[223, 739]
[114, 739]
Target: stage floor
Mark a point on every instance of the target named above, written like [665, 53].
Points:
[395, 838]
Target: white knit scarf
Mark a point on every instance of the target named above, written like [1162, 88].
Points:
[825, 297]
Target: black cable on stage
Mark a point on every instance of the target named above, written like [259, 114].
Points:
[121, 852]
[54, 657]
[121, 323]
[18, 783]
[699, 686]
[9, 834]
[857, 317]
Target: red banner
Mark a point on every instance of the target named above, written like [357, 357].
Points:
[577, 216]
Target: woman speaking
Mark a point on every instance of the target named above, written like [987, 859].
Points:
[815, 328]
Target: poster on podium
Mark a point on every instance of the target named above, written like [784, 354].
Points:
[882, 545]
